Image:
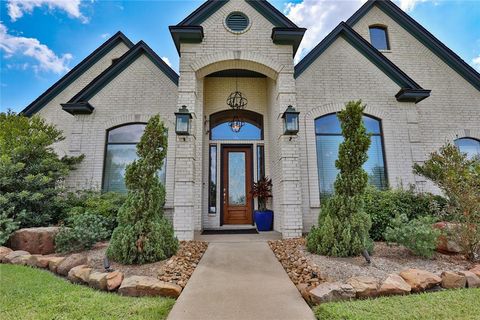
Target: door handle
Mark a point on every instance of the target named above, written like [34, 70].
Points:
[224, 195]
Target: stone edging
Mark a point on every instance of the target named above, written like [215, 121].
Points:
[76, 270]
[408, 281]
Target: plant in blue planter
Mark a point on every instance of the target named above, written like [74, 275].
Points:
[262, 190]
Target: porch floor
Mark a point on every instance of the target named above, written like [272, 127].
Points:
[240, 279]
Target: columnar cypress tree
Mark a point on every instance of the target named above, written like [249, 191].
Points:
[143, 234]
[343, 225]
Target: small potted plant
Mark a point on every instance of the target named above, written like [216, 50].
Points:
[262, 190]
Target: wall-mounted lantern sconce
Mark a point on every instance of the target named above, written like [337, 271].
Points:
[290, 121]
[183, 119]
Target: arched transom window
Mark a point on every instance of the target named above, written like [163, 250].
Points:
[121, 150]
[220, 126]
[328, 138]
[469, 146]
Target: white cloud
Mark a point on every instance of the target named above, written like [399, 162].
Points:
[105, 35]
[409, 5]
[167, 61]
[319, 17]
[17, 8]
[46, 59]
[476, 62]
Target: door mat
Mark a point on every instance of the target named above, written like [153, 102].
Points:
[231, 231]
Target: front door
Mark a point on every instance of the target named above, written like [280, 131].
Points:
[237, 184]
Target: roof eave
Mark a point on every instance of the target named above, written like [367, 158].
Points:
[412, 95]
[186, 34]
[77, 108]
[288, 36]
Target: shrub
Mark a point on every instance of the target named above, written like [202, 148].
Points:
[344, 225]
[417, 235]
[31, 172]
[105, 204]
[384, 205]
[143, 234]
[459, 178]
[262, 189]
[81, 232]
[7, 227]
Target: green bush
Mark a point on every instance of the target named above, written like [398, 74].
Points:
[81, 232]
[417, 235]
[105, 204]
[31, 172]
[7, 227]
[459, 178]
[343, 222]
[143, 234]
[384, 205]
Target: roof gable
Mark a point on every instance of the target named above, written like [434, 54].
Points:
[76, 72]
[208, 8]
[410, 90]
[422, 35]
[80, 100]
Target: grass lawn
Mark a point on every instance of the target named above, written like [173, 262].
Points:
[453, 304]
[27, 293]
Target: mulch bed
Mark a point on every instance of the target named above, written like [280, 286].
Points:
[385, 260]
[177, 269]
[299, 263]
[299, 268]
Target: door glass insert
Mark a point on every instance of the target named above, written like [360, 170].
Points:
[236, 178]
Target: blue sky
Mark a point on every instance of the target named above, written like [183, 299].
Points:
[40, 40]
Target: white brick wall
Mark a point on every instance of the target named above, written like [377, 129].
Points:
[136, 94]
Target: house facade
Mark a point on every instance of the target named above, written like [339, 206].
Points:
[237, 79]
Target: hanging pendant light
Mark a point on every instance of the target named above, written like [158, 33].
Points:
[236, 124]
[236, 101]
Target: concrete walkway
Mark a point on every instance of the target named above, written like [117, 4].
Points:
[240, 280]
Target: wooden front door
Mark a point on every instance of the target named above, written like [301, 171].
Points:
[237, 185]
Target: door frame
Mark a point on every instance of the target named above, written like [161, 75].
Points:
[222, 164]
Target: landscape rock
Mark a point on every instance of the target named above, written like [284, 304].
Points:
[32, 260]
[179, 268]
[114, 280]
[394, 285]
[79, 274]
[364, 286]
[420, 280]
[453, 280]
[53, 263]
[476, 270]
[43, 261]
[303, 288]
[137, 286]
[98, 280]
[70, 262]
[473, 281]
[331, 291]
[4, 251]
[445, 242]
[14, 255]
[34, 240]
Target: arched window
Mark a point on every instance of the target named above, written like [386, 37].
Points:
[251, 130]
[379, 37]
[469, 146]
[121, 150]
[329, 136]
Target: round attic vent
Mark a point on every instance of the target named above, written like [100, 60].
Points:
[237, 22]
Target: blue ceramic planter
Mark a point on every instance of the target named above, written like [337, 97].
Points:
[263, 220]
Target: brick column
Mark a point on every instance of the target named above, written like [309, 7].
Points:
[183, 218]
[288, 163]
